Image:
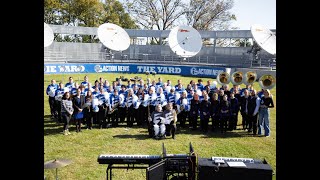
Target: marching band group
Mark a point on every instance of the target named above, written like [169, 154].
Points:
[160, 105]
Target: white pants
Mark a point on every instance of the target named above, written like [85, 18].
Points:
[157, 128]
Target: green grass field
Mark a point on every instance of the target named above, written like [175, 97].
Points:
[83, 148]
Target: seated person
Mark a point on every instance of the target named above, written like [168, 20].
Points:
[170, 121]
[156, 122]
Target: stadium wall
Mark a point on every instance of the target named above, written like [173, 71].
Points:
[196, 71]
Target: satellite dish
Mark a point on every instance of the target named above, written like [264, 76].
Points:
[264, 38]
[48, 35]
[185, 41]
[113, 37]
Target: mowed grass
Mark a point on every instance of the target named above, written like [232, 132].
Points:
[85, 147]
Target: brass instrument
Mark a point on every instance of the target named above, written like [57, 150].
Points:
[250, 77]
[223, 78]
[267, 81]
[115, 107]
[237, 78]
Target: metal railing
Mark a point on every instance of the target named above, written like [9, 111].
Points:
[102, 57]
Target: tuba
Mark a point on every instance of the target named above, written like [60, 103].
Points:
[223, 78]
[237, 78]
[250, 77]
[267, 81]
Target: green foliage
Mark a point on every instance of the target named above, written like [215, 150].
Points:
[83, 148]
[86, 13]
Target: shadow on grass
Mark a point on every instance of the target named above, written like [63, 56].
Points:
[51, 127]
[214, 134]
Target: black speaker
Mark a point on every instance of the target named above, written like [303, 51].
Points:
[208, 170]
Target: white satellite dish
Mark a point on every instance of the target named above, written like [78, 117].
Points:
[113, 37]
[48, 35]
[264, 38]
[185, 41]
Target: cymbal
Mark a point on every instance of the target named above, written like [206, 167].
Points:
[56, 163]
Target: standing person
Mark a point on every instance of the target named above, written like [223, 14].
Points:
[224, 113]
[234, 108]
[114, 104]
[58, 99]
[243, 107]
[85, 82]
[205, 107]
[88, 110]
[70, 84]
[194, 111]
[182, 107]
[214, 110]
[103, 104]
[130, 108]
[51, 91]
[141, 112]
[78, 103]
[252, 111]
[66, 112]
[170, 116]
[264, 113]
[238, 96]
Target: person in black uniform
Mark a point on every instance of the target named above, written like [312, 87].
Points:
[237, 95]
[205, 107]
[214, 110]
[252, 110]
[87, 110]
[243, 107]
[224, 113]
[194, 111]
[78, 102]
[234, 108]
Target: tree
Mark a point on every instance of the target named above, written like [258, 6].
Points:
[52, 9]
[115, 13]
[88, 13]
[155, 14]
[210, 14]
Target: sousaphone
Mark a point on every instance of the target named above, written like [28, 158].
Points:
[250, 77]
[267, 81]
[223, 78]
[237, 78]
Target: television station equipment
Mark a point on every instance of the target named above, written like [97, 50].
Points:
[48, 35]
[113, 37]
[185, 41]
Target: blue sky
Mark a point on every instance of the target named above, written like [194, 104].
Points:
[249, 12]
